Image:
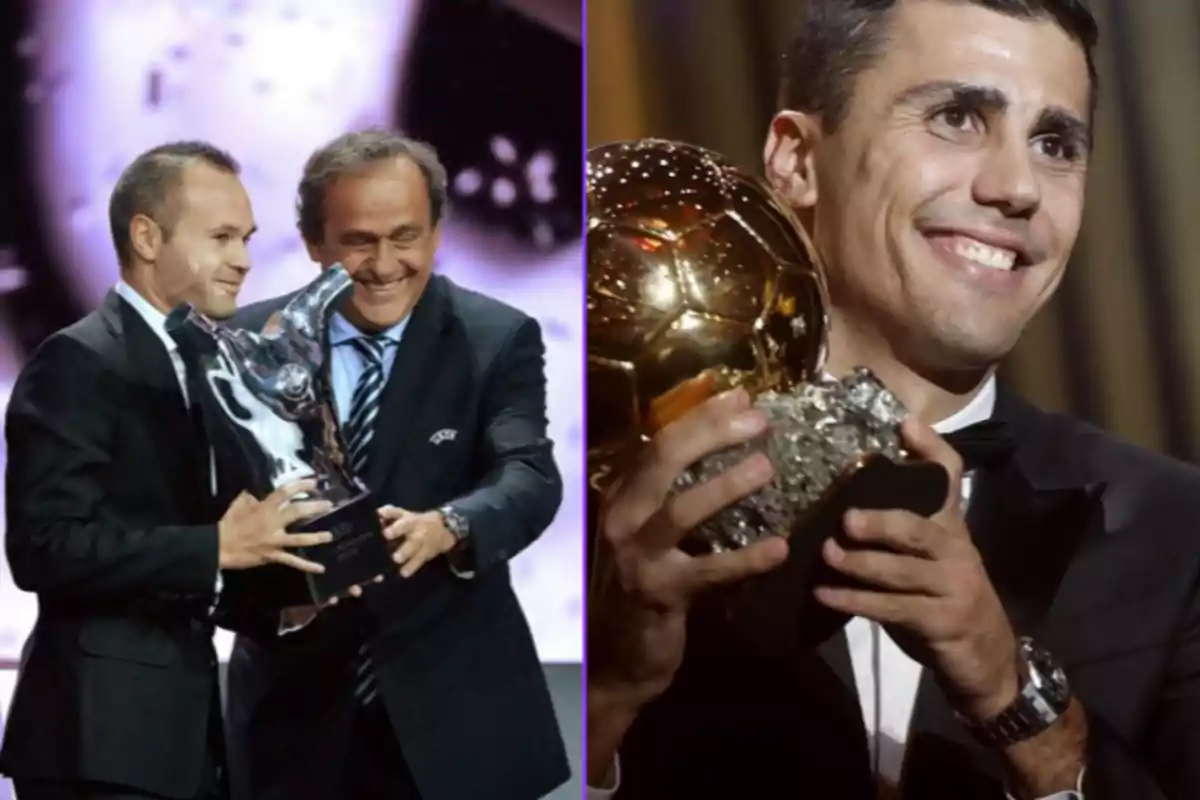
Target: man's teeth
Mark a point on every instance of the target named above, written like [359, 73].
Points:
[985, 255]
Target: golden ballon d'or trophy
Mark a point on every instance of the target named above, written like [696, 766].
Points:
[700, 278]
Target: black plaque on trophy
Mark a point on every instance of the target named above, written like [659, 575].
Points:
[268, 406]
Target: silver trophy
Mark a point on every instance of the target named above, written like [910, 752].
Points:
[815, 435]
[268, 412]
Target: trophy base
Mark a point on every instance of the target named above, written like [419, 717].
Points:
[357, 554]
[777, 612]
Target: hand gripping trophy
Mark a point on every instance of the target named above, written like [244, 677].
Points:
[698, 272]
[267, 405]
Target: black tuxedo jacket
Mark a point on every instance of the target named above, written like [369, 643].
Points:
[455, 660]
[110, 520]
[1092, 546]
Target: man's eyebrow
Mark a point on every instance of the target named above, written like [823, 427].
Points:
[983, 98]
[1052, 119]
[1060, 121]
[405, 229]
[234, 230]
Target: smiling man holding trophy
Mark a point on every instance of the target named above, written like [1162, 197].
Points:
[135, 546]
[1037, 637]
[433, 397]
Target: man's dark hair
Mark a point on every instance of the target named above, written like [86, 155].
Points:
[352, 152]
[835, 40]
[147, 187]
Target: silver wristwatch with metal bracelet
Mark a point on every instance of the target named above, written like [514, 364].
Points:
[1045, 695]
[456, 523]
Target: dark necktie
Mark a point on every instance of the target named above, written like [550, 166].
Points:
[984, 444]
[360, 429]
[364, 406]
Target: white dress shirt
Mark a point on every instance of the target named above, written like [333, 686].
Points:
[158, 323]
[898, 677]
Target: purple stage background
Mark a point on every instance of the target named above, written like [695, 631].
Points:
[94, 82]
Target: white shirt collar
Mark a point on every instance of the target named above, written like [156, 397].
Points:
[979, 409]
[341, 330]
[154, 318]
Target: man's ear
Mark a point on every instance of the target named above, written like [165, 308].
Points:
[146, 237]
[788, 157]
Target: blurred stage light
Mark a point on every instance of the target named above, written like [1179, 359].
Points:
[269, 81]
[515, 158]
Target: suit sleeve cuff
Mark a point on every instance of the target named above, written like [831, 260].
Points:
[613, 779]
[1077, 794]
[460, 565]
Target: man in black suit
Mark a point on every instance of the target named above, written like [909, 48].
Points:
[110, 512]
[937, 151]
[429, 686]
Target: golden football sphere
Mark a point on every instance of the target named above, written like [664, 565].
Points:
[694, 267]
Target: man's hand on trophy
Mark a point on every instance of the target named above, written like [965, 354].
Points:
[420, 536]
[933, 594]
[644, 583]
[254, 532]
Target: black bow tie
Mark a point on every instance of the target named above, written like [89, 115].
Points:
[984, 444]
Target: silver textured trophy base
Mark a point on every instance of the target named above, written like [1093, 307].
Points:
[813, 436]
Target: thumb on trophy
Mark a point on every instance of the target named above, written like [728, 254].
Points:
[927, 444]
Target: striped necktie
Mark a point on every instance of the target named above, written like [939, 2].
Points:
[360, 428]
[364, 406]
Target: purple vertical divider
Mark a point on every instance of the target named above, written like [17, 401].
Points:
[583, 538]
[6, 790]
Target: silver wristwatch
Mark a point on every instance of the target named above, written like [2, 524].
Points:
[1045, 695]
[455, 522]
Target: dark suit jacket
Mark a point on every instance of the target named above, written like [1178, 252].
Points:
[1091, 546]
[110, 521]
[455, 659]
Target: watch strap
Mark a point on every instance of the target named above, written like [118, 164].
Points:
[1019, 721]
[1032, 712]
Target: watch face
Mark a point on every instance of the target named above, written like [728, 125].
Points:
[454, 522]
[1049, 677]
